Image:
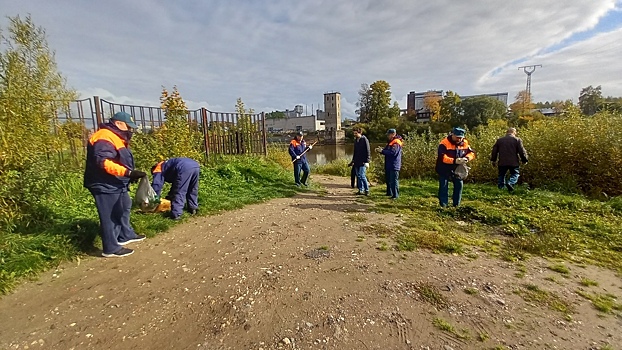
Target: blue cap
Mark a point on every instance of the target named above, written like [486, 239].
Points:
[126, 118]
[391, 131]
[460, 132]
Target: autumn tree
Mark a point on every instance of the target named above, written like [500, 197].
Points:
[431, 102]
[590, 99]
[380, 100]
[522, 104]
[31, 92]
[30, 88]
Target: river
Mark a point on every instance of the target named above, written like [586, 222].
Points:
[321, 155]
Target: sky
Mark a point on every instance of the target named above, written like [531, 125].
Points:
[275, 54]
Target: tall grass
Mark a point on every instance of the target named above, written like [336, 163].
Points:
[64, 224]
[573, 154]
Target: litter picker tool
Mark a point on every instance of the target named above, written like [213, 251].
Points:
[303, 153]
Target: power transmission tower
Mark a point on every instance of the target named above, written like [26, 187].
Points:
[528, 70]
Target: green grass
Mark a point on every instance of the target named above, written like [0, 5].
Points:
[431, 294]
[588, 282]
[471, 291]
[338, 167]
[447, 327]
[605, 303]
[534, 294]
[65, 224]
[560, 268]
[510, 226]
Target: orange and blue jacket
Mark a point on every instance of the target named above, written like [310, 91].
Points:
[448, 152]
[393, 154]
[108, 160]
[296, 148]
[173, 171]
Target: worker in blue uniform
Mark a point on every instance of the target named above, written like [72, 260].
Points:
[183, 174]
[108, 172]
[297, 150]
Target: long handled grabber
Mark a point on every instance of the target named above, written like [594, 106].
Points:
[303, 153]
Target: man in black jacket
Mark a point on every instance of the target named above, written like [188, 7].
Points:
[360, 160]
[505, 154]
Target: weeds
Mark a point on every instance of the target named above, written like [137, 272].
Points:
[605, 303]
[431, 294]
[511, 226]
[471, 290]
[447, 327]
[588, 283]
[534, 294]
[357, 218]
[560, 268]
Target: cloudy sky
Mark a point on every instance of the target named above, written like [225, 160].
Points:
[279, 53]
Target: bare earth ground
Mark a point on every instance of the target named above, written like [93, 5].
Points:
[241, 280]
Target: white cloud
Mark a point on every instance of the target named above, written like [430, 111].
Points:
[281, 53]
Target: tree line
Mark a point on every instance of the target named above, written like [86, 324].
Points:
[377, 112]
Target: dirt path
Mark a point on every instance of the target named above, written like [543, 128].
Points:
[241, 280]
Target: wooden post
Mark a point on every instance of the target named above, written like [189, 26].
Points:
[205, 132]
[98, 112]
[263, 131]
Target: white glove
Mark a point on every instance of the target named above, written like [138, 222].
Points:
[366, 165]
[297, 157]
[461, 160]
[378, 149]
[311, 147]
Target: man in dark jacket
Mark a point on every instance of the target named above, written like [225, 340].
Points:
[392, 162]
[183, 174]
[297, 148]
[506, 154]
[360, 160]
[452, 151]
[109, 170]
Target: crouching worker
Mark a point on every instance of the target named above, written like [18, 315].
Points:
[109, 170]
[183, 174]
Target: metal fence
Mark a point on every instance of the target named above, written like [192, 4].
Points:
[223, 133]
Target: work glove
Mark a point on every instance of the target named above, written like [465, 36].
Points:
[378, 149]
[462, 161]
[366, 165]
[311, 147]
[136, 175]
[297, 157]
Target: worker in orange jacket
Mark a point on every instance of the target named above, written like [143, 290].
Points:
[452, 151]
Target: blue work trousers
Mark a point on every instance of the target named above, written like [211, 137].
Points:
[443, 190]
[393, 184]
[298, 167]
[114, 219]
[184, 190]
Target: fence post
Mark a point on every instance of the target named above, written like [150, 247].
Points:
[98, 112]
[205, 132]
[263, 131]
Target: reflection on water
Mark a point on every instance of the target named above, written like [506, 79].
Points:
[321, 155]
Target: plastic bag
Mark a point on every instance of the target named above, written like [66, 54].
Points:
[461, 172]
[146, 196]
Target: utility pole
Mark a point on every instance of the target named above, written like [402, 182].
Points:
[528, 70]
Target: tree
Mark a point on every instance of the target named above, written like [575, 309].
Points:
[364, 104]
[450, 107]
[31, 91]
[275, 115]
[394, 112]
[380, 100]
[522, 104]
[431, 102]
[590, 100]
[479, 110]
